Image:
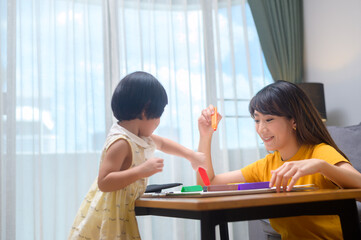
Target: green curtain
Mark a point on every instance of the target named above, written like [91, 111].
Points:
[279, 25]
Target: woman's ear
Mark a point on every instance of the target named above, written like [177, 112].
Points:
[294, 125]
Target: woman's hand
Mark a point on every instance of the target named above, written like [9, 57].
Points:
[205, 121]
[292, 171]
[198, 159]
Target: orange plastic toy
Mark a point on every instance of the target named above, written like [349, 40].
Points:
[214, 119]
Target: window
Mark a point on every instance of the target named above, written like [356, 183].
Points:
[57, 78]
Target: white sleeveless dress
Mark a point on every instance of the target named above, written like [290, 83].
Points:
[110, 215]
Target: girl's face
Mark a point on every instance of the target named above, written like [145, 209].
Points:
[148, 126]
[276, 132]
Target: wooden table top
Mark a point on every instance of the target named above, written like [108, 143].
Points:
[251, 200]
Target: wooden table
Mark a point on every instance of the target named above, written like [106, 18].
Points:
[214, 211]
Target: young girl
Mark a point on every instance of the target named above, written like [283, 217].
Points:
[303, 153]
[127, 161]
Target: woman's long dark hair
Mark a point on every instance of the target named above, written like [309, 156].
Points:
[286, 99]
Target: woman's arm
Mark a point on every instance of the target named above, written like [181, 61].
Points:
[205, 140]
[342, 173]
[115, 171]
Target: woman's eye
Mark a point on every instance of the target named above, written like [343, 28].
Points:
[270, 119]
[256, 121]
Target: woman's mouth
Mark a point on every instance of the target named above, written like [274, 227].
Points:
[267, 139]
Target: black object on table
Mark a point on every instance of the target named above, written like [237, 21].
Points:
[157, 188]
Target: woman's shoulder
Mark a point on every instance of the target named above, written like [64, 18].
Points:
[327, 152]
[268, 160]
[317, 149]
[271, 156]
[323, 147]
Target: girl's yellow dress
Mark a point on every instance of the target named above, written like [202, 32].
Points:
[110, 215]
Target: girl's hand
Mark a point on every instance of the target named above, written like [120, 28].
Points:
[152, 166]
[293, 171]
[198, 160]
[205, 121]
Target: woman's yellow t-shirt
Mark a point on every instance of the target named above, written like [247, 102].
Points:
[302, 227]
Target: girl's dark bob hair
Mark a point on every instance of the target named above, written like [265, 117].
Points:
[286, 99]
[138, 93]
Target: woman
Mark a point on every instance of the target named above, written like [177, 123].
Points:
[303, 152]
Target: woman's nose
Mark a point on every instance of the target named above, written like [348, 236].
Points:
[262, 127]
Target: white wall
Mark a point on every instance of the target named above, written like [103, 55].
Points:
[333, 56]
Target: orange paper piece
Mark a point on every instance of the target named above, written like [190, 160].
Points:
[214, 119]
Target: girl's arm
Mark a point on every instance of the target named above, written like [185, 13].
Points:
[342, 173]
[115, 172]
[205, 140]
[168, 146]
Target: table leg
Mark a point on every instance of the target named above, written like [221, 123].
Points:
[208, 228]
[223, 230]
[350, 222]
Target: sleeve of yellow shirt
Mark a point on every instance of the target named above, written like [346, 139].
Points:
[257, 171]
[328, 153]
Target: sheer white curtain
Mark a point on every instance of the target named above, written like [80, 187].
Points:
[60, 61]
[52, 113]
[203, 52]
[164, 38]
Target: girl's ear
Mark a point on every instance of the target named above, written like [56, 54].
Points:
[144, 117]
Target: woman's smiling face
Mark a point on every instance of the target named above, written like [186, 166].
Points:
[276, 132]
